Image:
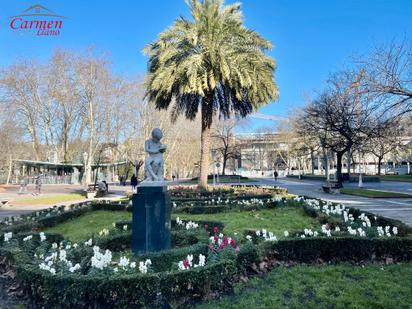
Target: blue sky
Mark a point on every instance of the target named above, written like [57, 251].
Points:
[310, 38]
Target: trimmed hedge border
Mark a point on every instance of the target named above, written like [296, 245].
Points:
[403, 229]
[309, 250]
[182, 287]
[126, 291]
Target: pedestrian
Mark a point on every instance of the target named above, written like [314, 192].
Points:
[106, 185]
[173, 177]
[133, 182]
[21, 186]
[37, 182]
[275, 173]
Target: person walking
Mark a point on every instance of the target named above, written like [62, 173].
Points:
[275, 173]
[133, 182]
[37, 182]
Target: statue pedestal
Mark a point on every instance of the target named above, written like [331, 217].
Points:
[151, 219]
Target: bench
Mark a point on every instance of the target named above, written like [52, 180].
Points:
[4, 202]
[331, 186]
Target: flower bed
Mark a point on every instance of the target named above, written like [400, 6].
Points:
[190, 193]
[102, 272]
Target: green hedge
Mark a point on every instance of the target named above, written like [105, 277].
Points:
[179, 238]
[403, 229]
[203, 224]
[53, 220]
[125, 291]
[309, 250]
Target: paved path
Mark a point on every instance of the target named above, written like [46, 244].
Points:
[399, 208]
[396, 208]
[14, 208]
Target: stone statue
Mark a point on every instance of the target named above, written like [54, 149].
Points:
[153, 164]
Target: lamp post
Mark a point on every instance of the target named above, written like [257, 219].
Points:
[360, 184]
[214, 166]
[85, 157]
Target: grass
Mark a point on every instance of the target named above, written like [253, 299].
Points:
[338, 286]
[403, 178]
[83, 227]
[51, 199]
[372, 193]
[274, 220]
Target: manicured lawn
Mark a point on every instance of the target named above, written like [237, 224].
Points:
[341, 286]
[274, 220]
[93, 222]
[403, 178]
[372, 193]
[51, 199]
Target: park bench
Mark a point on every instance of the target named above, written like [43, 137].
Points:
[331, 186]
[4, 202]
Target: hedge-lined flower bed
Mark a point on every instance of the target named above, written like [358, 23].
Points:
[102, 272]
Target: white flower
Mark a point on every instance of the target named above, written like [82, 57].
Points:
[125, 227]
[258, 233]
[100, 260]
[190, 259]
[395, 230]
[202, 260]
[28, 238]
[181, 266]
[248, 237]
[74, 268]
[133, 265]
[124, 261]
[142, 268]
[286, 233]
[89, 242]
[8, 236]
[104, 232]
[42, 236]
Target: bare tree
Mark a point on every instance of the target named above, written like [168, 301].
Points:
[340, 117]
[388, 78]
[386, 139]
[224, 139]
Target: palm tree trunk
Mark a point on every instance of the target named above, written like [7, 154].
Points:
[207, 114]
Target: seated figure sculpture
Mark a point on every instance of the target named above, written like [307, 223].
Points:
[154, 162]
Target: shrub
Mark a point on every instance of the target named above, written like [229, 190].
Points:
[125, 291]
[309, 250]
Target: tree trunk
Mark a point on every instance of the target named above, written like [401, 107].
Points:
[224, 166]
[379, 165]
[312, 161]
[207, 114]
[349, 161]
[10, 167]
[339, 156]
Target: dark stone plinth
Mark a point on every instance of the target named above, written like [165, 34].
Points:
[151, 220]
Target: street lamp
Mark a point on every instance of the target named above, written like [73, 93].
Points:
[85, 157]
[360, 184]
[214, 166]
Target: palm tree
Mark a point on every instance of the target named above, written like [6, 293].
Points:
[212, 64]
